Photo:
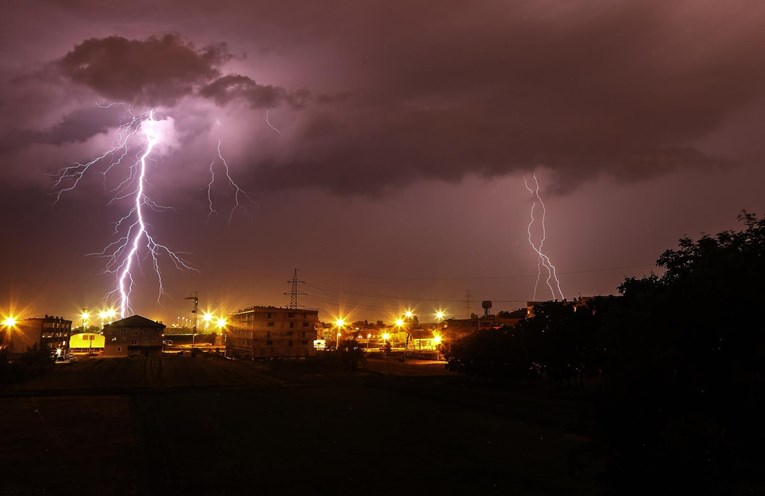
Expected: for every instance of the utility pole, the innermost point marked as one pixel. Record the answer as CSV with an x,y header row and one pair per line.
x,y
294,290
468,301
194,311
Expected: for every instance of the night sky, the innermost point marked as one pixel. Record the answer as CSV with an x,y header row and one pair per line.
x,y
382,146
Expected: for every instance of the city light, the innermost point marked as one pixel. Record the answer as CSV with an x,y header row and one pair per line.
x,y
221,322
85,316
386,336
9,321
409,314
440,314
400,323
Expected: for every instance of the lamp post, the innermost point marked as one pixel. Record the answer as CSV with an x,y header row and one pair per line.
x,y
339,323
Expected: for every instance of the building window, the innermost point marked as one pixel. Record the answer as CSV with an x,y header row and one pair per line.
x,y
305,324
270,324
289,343
269,342
292,324
268,315
133,341
291,315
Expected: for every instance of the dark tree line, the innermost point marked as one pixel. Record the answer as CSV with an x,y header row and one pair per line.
x,y
682,360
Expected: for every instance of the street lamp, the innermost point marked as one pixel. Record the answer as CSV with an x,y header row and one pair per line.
x,y
85,316
339,323
9,323
207,318
440,314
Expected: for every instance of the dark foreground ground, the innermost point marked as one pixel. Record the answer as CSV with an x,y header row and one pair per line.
x,y
198,426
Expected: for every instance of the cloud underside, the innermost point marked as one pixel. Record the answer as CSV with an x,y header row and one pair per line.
x,y
626,89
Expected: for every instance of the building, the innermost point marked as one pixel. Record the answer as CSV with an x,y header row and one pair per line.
x,y
133,336
272,332
86,342
51,333
424,340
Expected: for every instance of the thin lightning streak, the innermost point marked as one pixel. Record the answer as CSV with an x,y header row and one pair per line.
x,y
542,259
271,125
237,190
209,190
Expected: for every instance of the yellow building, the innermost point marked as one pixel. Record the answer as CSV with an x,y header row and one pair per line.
x,y
86,342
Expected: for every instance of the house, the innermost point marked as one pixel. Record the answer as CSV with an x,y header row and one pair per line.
x,y
272,332
423,340
133,336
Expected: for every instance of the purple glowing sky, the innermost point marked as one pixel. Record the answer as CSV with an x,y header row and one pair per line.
x,y
404,132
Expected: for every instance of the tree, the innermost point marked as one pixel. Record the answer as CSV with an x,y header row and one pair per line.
x,y
686,369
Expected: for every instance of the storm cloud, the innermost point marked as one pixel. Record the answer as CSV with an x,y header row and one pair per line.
x,y
155,71
389,95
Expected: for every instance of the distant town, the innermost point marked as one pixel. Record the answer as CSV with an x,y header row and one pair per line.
x,y
256,332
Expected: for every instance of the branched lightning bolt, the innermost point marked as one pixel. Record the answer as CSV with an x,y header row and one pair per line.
x,y
124,254
542,259
239,193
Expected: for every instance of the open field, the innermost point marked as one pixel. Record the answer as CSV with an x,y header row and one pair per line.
x,y
176,425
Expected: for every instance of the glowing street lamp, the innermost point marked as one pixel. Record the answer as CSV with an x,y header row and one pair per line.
x,y
9,322
409,314
207,318
440,314
106,316
85,316
339,323
221,322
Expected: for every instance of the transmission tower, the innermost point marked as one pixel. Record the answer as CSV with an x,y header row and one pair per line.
x,y
294,290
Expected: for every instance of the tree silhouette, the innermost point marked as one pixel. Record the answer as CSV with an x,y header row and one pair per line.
x,y
686,368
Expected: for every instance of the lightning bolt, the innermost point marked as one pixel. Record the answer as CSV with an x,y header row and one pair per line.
x,y
271,125
124,254
239,193
141,133
542,259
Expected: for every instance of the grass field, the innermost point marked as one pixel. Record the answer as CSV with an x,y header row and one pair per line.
x,y
176,425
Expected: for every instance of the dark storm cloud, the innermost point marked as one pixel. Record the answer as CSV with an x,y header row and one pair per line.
x,y
445,90
235,87
155,71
